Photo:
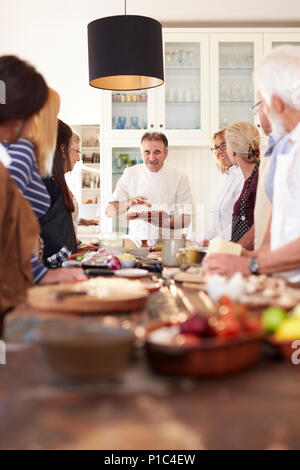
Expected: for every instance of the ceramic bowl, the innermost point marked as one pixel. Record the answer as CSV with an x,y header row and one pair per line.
x,y
84,352
128,263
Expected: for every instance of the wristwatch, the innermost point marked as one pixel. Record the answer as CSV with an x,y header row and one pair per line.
x,y
253,265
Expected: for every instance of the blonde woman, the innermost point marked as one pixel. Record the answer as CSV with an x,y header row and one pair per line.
x,y
231,189
30,158
243,140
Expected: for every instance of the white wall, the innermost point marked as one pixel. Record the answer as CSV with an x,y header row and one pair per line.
x,y
52,34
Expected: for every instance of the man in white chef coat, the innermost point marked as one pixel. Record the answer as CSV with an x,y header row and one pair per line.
x,y
278,79
155,197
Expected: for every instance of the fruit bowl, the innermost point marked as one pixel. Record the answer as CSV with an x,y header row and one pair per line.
x,y
212,357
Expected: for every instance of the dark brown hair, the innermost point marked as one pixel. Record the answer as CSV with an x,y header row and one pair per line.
x,y
64,135
156,136
26,91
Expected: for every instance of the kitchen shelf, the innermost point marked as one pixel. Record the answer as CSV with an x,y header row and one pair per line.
x,y
236,101
233,68
92,149
90,189
183,102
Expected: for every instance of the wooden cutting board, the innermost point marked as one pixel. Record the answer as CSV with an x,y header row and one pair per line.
x,y
47,298
189,277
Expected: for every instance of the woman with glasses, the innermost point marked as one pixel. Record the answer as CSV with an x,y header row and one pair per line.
x,y
231,189
58,233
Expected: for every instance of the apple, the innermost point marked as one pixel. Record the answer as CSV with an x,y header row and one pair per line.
x,y
272,318
198,325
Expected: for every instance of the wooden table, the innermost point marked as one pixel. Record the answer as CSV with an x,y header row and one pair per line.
x,y
257,409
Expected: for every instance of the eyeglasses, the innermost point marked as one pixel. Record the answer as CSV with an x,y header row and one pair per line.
x,y
222,146
255,107
77,151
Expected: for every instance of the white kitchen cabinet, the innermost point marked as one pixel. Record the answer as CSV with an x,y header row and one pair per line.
x,y
233,57
84,180
180,107
208,85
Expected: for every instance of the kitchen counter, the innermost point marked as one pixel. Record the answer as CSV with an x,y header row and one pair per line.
x,y
256,409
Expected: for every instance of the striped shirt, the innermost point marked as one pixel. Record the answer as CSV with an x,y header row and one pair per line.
x,y
23,170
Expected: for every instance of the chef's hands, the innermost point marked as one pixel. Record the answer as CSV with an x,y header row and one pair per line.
x,y
225,265
138,200
65,275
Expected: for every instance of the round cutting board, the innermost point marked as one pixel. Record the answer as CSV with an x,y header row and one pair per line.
x,y
48,298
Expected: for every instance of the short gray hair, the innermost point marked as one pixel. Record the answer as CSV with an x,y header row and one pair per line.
x,y
76,138
279,74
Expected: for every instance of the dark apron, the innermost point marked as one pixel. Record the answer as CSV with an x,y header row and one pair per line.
x,y
239,222
57,224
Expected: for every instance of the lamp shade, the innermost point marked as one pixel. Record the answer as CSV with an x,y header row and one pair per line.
x,y
125,53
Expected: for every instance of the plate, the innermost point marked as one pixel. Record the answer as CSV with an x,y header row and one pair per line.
x,y
131,272
71,263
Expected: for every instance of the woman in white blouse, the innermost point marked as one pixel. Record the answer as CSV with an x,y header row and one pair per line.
x,y
230,192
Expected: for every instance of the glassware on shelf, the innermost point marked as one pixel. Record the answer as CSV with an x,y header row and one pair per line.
x,y
175,57
180,95
168,56
134,122
181,57
188,95
190,58
121,122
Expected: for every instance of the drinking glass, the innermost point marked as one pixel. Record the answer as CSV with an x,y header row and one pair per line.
x,y
134,122
112,242
121,122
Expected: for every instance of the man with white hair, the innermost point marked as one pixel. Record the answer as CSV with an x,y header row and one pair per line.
x,y
278,79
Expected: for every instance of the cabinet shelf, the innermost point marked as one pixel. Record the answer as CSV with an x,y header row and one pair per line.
x,y
250,69
90,189
130,103
183,102
172,69
236,101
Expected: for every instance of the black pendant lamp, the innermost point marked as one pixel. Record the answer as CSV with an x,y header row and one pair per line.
x,y
125,53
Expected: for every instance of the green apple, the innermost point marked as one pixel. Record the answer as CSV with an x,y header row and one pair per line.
x,y
272,318
288,330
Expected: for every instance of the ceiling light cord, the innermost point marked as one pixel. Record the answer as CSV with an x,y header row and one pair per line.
x,y
125,7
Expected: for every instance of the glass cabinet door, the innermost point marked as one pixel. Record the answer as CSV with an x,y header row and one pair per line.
x,y
236,89
129,110
183,84
127,114
183,102
233,60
